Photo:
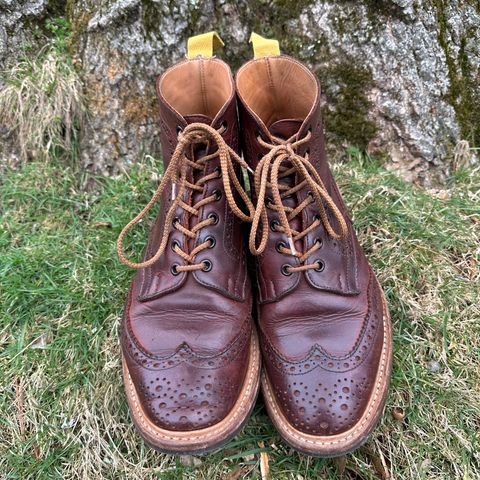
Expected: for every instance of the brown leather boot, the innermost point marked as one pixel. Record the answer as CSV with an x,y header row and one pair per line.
x,y
324,324
191,358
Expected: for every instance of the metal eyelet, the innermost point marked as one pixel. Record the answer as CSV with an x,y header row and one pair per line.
x,y
213,217
318,218
207,265
273,225
174,269
224,124
175,244
217,194
211,240
319,241
280,245
268,201
310,194
175,221
179,130
286,270
321,266
218,171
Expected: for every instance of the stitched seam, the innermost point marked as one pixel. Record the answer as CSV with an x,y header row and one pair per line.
x,y
269,73
202,86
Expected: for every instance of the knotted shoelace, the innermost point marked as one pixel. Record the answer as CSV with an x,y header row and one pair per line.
x,y
177,174
270,170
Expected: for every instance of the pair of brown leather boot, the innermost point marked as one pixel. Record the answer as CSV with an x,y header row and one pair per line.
x,y
191,354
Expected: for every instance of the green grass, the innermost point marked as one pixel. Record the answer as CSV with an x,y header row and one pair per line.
x,y
64,413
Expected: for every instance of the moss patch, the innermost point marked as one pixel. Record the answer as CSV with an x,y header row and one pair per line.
x,y
346,86
463,94
382,8
79,19
151,16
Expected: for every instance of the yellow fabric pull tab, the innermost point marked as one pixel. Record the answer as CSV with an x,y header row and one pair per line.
x,y
203,45
264,46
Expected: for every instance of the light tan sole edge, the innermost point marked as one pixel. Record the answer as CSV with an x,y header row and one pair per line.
x,y
343,443
206,439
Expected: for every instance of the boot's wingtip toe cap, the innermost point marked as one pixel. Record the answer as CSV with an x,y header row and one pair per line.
x,y
185,398
322,404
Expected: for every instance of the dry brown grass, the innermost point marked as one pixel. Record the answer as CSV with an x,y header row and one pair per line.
x,y
41,104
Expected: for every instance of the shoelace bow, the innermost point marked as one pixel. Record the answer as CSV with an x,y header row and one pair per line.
x,y
268,173
176,173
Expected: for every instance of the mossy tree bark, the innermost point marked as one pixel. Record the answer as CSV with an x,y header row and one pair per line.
x,y
398,76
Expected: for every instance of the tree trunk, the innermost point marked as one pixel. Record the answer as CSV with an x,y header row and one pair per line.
x,y
398,76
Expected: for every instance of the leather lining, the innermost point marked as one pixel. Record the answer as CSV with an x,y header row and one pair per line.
x,y
262,85
197,87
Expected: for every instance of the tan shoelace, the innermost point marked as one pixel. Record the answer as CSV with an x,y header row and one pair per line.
x,y
176,173
268,173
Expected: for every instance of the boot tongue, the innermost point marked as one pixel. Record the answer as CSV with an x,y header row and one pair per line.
x,y
198,151
198,118
285,128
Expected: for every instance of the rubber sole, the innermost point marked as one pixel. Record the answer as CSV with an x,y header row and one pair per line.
x,y
330,446
207,439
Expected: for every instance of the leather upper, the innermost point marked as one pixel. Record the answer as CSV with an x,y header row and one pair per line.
x,y
321,330
186,335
